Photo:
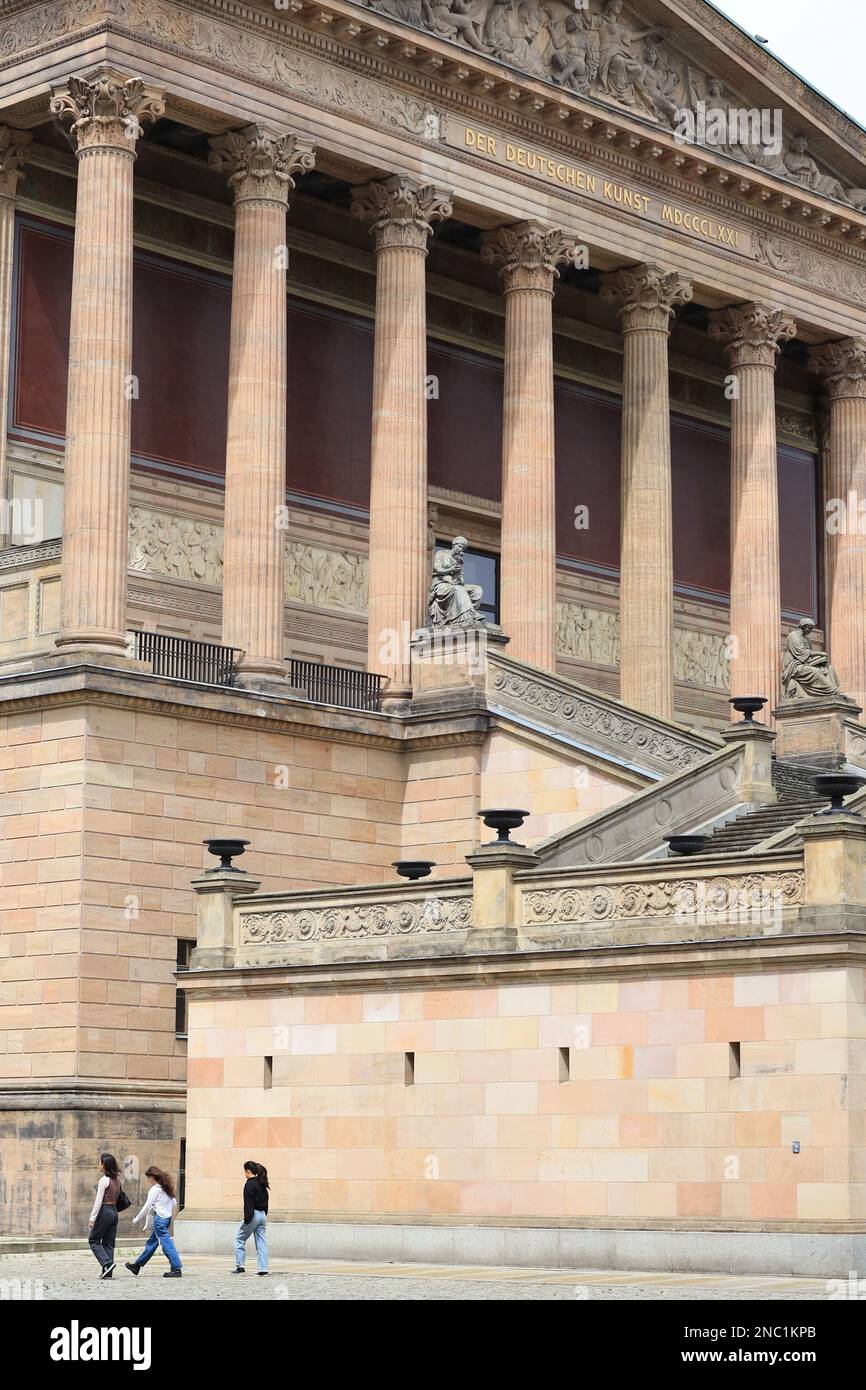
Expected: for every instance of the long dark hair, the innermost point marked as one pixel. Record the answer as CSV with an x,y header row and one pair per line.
x,y
163,1179
109,1165
258,1169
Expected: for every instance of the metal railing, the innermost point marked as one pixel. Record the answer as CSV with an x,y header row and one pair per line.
x,y
182,659
338,685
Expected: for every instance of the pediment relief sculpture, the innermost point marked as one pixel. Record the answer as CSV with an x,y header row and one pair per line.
x,y
598,50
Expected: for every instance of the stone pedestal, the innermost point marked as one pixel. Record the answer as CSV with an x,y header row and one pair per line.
x,y
813,731
449,668
649,296
494,896
752,335
402,212
105,111
834,848
527,255
215,891
756,777
260,164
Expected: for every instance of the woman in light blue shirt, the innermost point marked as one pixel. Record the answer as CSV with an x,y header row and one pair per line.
x,y
157,1214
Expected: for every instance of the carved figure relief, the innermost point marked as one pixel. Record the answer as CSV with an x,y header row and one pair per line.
x,y
592,635
182,548
175,546
597,50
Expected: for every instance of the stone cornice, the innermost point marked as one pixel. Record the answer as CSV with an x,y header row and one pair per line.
x,y
271,45
801,951
42,684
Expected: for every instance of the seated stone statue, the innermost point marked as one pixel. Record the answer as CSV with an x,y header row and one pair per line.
x,y
452,602
806,675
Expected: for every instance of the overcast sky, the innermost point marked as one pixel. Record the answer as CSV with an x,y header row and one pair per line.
x,y
824,42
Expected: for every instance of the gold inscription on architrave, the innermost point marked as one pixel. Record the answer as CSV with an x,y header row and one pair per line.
x,y
510,154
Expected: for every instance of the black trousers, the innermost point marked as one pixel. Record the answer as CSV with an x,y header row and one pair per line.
x,y
103,1234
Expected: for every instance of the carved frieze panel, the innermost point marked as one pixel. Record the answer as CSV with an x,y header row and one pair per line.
x,y
683,898
592,718
591,634
191,549
349,922
178,547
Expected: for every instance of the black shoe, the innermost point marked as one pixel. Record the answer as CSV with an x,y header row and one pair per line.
x,y
173,1274
133,1269
108,1270
263,1273
240,1270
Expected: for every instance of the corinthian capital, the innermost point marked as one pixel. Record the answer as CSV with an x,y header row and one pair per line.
x,y
261,164
401,210
648,296
14,154
752,334
106,110
842,366
527,255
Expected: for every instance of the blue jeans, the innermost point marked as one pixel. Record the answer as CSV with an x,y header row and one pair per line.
x,y
258,1229
160,1236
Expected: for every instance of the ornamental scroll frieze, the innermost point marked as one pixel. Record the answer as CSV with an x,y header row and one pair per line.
x,y
686,899
596,50
352,923
587,717
185,548
591,634
213,40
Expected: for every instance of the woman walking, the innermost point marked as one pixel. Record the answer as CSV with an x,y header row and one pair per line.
x,y
103,1218
157,1213
255,1222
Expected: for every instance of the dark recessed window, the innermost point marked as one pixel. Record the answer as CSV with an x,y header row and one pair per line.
x,y
184,951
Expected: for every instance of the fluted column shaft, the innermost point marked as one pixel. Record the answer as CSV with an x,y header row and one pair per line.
x,y
649,297
14,152
106,112
528,255
843,368
401,212
260,164
752,335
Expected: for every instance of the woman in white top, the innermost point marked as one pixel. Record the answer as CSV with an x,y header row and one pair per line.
x,y
103,1218
157,1213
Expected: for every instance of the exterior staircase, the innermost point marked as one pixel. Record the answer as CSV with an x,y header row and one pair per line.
x,y
797,799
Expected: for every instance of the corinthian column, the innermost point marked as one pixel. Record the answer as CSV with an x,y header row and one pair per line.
x,y
528,255
752,335
261,164
648,298
843,369
106,111
14,153
402,212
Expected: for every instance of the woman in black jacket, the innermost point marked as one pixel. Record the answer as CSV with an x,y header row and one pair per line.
x,y
255,1222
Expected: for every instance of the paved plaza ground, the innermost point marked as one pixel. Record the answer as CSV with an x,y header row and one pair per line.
x,y
74,1275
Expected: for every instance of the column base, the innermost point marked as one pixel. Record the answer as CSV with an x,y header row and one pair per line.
x,y
267,681
93,640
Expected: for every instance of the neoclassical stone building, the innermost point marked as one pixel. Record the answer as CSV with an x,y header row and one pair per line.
x,y
290,296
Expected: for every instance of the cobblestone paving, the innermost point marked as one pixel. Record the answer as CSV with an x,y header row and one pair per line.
x,y
75,1276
